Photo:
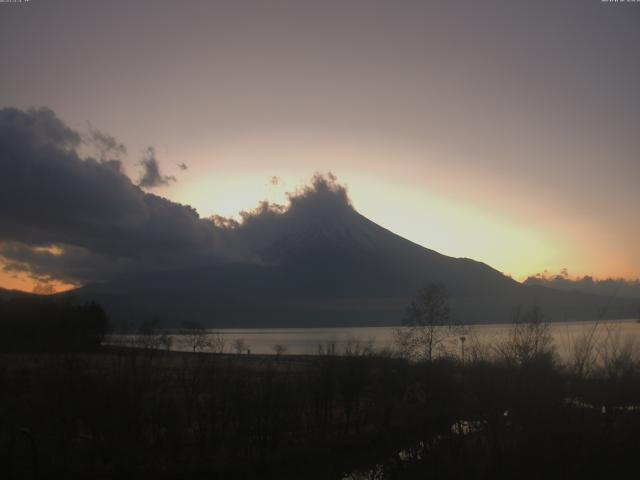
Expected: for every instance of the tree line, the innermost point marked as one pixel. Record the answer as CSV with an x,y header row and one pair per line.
x,y
43,324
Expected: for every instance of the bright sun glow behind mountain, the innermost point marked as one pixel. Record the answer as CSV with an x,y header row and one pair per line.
x,y
432,220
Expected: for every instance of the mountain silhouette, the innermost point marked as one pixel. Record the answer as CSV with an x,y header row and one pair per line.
x,y
321,263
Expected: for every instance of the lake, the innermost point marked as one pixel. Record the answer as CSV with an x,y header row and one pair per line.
x,y
310,341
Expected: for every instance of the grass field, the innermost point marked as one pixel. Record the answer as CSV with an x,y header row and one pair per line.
x,y
132,413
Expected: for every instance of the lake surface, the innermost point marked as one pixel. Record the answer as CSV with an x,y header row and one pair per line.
x,y
311,341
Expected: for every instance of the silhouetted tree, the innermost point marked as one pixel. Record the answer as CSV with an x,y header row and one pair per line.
x,y
279,349
426,323
195,336
217,342
529,339
151,337
239,345
45,324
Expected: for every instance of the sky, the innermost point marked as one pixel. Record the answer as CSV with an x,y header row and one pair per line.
x,y
503,131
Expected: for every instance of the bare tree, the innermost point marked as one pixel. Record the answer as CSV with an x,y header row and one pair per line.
x,y
195,336
426,324
328,348
166,341
239,345
217,342
529,339
583,354
150,336
355,347
472,348
619,356
279,349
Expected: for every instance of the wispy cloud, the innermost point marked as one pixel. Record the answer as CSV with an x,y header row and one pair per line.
x,y
151,175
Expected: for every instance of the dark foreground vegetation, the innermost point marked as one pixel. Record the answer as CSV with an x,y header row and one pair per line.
x,y
40,324
70,408
129,413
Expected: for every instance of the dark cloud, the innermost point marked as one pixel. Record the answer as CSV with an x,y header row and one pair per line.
x,y
70,264
49,195
37,128
151,176
107,146
311,208
109,151
78,219
324,196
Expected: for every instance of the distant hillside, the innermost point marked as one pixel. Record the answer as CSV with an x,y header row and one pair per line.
x,y
606,287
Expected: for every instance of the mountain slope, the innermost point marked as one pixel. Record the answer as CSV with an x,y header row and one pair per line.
x,y
328,267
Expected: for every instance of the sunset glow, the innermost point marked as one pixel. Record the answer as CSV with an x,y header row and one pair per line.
x,y
499,141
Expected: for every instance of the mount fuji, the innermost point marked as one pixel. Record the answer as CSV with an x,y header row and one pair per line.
x,y
319,262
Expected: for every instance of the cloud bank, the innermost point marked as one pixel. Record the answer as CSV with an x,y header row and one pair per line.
x,y
102,222
81,219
